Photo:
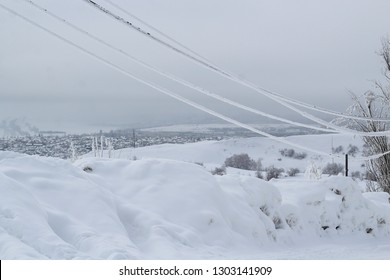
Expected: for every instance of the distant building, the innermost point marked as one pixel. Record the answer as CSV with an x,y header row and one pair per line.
x,y
52,133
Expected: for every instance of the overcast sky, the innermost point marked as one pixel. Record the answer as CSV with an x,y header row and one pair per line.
x,y
310,50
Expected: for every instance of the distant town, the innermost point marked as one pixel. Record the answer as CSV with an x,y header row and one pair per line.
x,y
62,145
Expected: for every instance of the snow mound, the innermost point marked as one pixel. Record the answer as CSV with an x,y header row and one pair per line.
x,y
159,208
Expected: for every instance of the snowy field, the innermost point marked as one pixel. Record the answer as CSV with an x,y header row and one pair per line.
x,y
162,202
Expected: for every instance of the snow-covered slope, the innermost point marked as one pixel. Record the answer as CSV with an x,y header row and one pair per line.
x,y
99,208
214,153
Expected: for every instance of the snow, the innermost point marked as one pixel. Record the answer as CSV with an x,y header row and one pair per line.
x,y
165,206
214,153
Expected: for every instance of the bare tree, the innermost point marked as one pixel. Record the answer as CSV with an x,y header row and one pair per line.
x,y
376,104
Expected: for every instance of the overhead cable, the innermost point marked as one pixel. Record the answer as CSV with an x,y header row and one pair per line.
x,y
158,88
285,101
294,101
335,129
155,29
238,80
171,94
175,78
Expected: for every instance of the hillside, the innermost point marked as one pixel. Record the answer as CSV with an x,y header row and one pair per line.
x,y
214,153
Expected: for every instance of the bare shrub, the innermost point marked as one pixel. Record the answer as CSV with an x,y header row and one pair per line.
x,y
292,172
300,155
356,175
241,161
259,174
87,169
219,171
287,152
273,173
338,149
333,169
352,150
290,153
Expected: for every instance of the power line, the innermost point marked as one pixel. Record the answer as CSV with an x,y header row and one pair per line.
x,y
175,78
155,29
238,80
285,101
299,103
158,88
200,89
169,93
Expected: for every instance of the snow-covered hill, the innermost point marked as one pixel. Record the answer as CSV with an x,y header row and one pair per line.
x,y
214,153
163,205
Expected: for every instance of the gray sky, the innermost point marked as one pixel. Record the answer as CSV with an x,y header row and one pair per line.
x,y
310,50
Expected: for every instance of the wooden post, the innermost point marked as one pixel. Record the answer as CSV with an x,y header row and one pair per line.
x,y
346,165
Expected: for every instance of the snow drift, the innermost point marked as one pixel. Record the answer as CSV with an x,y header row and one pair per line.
x,y
159,208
